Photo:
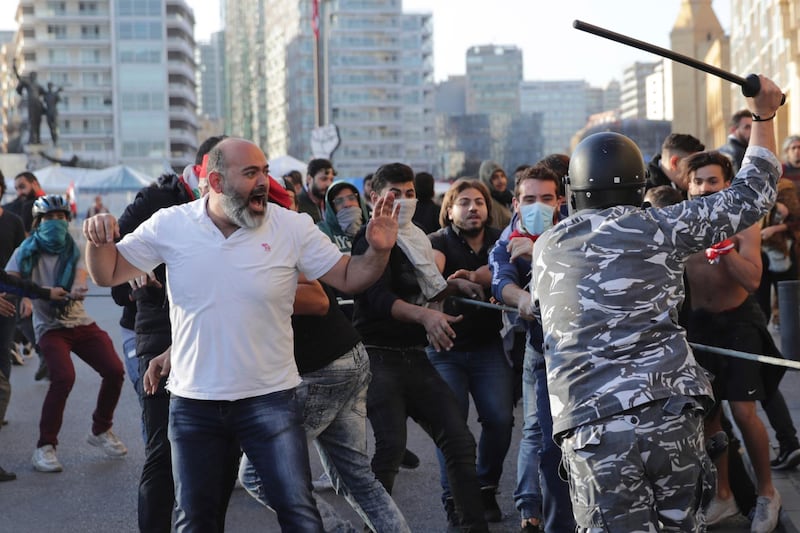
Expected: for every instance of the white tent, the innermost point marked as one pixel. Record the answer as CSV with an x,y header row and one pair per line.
x,y
281,165
90,180
117,185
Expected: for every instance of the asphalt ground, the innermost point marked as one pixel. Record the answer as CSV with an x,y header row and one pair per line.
x,y
98,494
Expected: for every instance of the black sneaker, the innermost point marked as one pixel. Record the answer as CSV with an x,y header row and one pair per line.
x,y
410,460
786,459
491,511
7,476
42,372
453,521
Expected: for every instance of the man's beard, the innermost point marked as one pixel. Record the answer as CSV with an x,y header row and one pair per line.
x,y
237,207
471,232
316,191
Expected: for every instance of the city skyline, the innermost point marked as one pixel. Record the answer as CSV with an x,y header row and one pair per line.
x,y
531,26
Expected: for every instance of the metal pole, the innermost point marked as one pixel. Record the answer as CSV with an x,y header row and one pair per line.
x,y
789,312
776,361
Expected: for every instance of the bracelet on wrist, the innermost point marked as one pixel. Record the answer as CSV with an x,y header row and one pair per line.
x,y
758,118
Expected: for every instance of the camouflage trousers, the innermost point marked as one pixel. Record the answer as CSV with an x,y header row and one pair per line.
x,y
643,470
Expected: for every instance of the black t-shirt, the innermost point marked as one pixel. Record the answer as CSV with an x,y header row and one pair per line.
x,y
23,208
319,340
372,313
12,233
480,325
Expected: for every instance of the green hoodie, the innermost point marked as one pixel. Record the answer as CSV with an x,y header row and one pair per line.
x,y
329,224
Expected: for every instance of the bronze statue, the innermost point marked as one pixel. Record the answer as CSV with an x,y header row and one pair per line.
x,y
51,100
35,103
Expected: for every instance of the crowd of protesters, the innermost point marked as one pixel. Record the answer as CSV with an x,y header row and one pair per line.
x,y
380,304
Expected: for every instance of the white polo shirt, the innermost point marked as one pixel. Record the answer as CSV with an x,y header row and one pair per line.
x,y
231,300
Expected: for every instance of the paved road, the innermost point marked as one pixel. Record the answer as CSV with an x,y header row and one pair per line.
x,y
98,494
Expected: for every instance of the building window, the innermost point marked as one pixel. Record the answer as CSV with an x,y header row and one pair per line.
x,y
90,32
139,8
140,31
56,8
90,57
87,8
140,56
57,31
58,56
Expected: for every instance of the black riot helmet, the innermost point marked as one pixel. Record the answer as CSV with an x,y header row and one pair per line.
x,y
606,169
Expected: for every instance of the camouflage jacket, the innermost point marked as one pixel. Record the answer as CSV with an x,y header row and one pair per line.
x,y
609,283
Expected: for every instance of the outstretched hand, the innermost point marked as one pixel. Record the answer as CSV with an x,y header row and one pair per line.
x,y
101,229
382,227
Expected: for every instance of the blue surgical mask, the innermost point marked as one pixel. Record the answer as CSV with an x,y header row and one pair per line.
x,y
536,218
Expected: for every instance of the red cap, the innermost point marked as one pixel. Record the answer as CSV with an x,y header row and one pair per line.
x,y
277,194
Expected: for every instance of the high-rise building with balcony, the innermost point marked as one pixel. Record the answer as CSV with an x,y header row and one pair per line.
x,y
564,105
127,70
493,76
765,38
634,89
376,75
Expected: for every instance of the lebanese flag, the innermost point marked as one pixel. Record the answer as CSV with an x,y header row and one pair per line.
x,y
315,18
73,205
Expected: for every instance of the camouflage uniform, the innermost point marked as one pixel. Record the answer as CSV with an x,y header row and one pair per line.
x,y
609,283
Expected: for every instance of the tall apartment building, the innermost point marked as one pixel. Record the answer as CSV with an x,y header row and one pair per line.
x,y
8,96
658,92
493,77
210,79
211,86
377,76
564,105
634,89
245,69
128,72
450,96
765,38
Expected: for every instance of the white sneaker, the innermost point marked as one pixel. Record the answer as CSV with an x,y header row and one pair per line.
x,y
45,460
719,510
768,510
109,443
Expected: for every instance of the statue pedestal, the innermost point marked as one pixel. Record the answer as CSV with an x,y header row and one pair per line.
x,y
34,148
34,154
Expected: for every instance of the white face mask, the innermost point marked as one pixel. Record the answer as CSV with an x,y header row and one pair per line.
x,y
405,208
350,219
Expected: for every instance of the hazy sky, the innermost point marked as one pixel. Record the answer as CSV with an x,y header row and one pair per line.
x,y
552,49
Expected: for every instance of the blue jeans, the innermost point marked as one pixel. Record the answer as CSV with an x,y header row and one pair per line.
x,y
539,485
270,431
484,373
404,383
130,360
335,414
131,363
